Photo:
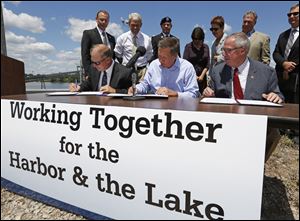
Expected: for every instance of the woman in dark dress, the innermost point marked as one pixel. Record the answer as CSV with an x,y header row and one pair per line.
x,y
197,53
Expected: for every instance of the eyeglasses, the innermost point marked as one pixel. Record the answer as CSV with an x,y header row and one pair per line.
x,y
98,62
214,29
295,14
229,50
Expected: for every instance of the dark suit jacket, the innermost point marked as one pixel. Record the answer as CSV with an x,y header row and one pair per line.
x,y
278,56
261,79
90,38
154,40
120,79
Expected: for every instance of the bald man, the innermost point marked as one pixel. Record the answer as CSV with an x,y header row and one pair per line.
x,y
106,75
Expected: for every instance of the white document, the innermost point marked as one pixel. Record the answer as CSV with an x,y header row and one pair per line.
x,y
214,100
258,103
93,93
62,93
139,95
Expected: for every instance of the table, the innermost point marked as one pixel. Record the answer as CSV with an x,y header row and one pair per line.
x,y
278,117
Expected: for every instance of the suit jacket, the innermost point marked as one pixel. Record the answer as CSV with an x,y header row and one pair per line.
x,y
261,79
120,79
260,47
155,39
90,38
278,56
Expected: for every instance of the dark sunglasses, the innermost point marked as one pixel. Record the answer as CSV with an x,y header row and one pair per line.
x,y
296,14
214,29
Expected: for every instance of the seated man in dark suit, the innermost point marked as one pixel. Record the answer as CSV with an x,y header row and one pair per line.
x,y
106,75
240,77
94,36
166,26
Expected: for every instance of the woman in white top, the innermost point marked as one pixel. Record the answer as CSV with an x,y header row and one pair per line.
x,y
217,29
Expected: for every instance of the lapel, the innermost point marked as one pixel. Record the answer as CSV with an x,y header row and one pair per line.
x,y
114,70
251,80
296,43
97,35
95,78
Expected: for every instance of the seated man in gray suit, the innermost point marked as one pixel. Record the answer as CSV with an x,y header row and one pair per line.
x,y
106,75
257,80
240,77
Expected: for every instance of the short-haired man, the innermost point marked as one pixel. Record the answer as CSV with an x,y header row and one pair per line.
x,y
166,26
128,42
94,36
241,77
169,74
106,75
259,42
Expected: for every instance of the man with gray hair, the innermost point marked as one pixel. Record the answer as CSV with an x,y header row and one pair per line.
x,y
128,42
259,42
169,74
241,77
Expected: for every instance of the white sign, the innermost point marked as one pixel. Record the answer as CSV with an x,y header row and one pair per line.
x,y
134,163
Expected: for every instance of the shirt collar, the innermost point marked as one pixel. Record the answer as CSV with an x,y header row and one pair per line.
x,y
109,70
250,32
243,65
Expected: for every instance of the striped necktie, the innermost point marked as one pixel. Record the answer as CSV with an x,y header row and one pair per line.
x,y
289,44
104,79
104,38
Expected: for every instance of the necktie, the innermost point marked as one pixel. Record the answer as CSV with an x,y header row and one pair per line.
x,y
104,38
289,44
237,89
104,79
134,46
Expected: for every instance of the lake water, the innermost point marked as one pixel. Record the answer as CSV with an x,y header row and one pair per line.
x,y
49,85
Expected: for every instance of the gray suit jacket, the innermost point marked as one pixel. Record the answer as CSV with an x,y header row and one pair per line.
x,y
261,79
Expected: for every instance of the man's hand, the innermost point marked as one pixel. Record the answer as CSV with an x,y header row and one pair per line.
x,y
289,66
166,91
73,87
107,89
272,97
208,92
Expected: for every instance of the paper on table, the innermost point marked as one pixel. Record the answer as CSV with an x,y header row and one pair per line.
x,y
214,100
97,93
139,95
62,93
258,103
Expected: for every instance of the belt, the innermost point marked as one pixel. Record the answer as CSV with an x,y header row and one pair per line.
x,y
140,68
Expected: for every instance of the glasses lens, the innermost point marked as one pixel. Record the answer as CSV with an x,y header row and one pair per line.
x,y
214,29
294,14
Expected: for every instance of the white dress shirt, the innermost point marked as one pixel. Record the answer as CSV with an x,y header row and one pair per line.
x,y
243,74
124,48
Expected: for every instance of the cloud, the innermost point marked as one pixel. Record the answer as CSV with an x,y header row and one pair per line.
x,y
77,26
16,3
23,21
227,28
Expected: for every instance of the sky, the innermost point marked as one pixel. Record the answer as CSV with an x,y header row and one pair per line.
x,y
46,35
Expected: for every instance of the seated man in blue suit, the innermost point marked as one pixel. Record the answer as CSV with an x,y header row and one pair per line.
x,y
240,77
106,75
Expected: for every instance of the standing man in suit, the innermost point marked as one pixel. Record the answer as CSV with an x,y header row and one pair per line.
x,y
166,26
241,77
259,42
106,75
286,56
94,36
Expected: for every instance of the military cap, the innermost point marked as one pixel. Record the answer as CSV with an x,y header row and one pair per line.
x,y
165,19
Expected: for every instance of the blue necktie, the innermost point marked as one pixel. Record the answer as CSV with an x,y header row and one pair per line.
x,y
104,79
